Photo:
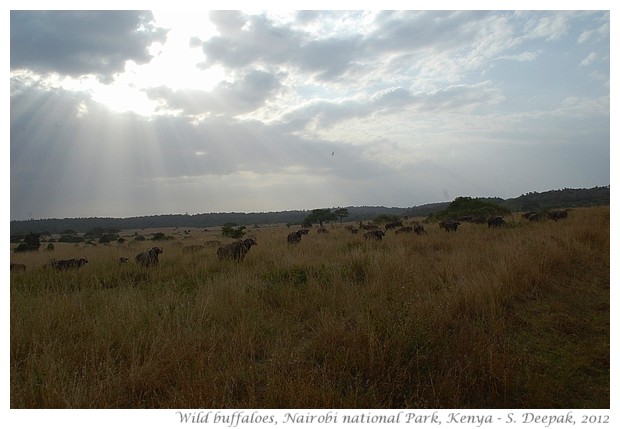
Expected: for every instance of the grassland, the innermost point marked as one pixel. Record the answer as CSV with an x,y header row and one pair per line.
x,y
516,317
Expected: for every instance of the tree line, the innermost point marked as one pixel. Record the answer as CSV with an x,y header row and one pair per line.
x,y
531,201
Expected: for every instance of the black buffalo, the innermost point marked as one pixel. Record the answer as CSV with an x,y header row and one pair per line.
x,y
449,225
150,257
236,250
295,237
376,234
496,221
557,214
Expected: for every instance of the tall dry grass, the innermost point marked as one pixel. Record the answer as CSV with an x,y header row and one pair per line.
x,y
516,317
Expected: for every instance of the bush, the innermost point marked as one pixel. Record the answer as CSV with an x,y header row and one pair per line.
x,y
229,230
31,243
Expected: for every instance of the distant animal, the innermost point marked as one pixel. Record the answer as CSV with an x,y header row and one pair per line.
x,y
123,260
393,225
50,247
532,217
295,237
65,264
18,267
419,229
236,250
351,229
376,234
322,231
192,248
213,243
150,257
557,214
449,225
496,221
404,229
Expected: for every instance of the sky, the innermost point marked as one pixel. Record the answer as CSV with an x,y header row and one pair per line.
x,y
130,113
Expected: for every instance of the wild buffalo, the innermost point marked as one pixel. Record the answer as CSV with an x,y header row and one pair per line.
x,y
404,229
376,234
557,214
18,267
449,225
295,237
496,221
236,250
393,225
150,257
419,229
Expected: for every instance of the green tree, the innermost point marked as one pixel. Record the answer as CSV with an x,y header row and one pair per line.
x,y
232,230
341,213
320,216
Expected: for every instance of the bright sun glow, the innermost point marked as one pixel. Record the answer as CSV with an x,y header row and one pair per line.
x,y
175,65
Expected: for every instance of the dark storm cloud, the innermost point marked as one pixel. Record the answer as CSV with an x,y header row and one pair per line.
x,y
77,43
244,95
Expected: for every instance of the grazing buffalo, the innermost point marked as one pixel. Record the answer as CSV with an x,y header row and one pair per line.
x,y
419,229
557,214
376,234
393,225
295,237
236,250
449,225
18,267
65,264
150,257
533,217
404,229
496,221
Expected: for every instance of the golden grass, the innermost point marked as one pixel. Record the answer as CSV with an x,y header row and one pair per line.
x,y
516,317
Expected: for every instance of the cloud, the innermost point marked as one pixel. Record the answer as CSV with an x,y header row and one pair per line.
x,y
591,58
232,98
323,114
549,27
411,103
76,43
522,57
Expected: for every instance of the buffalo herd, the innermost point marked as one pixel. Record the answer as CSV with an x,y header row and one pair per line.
x,y
237,250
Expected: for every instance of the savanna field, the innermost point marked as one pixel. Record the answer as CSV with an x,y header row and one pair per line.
x,y
510,317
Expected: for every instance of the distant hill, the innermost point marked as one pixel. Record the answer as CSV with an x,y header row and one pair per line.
x,y
527,202
564,198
